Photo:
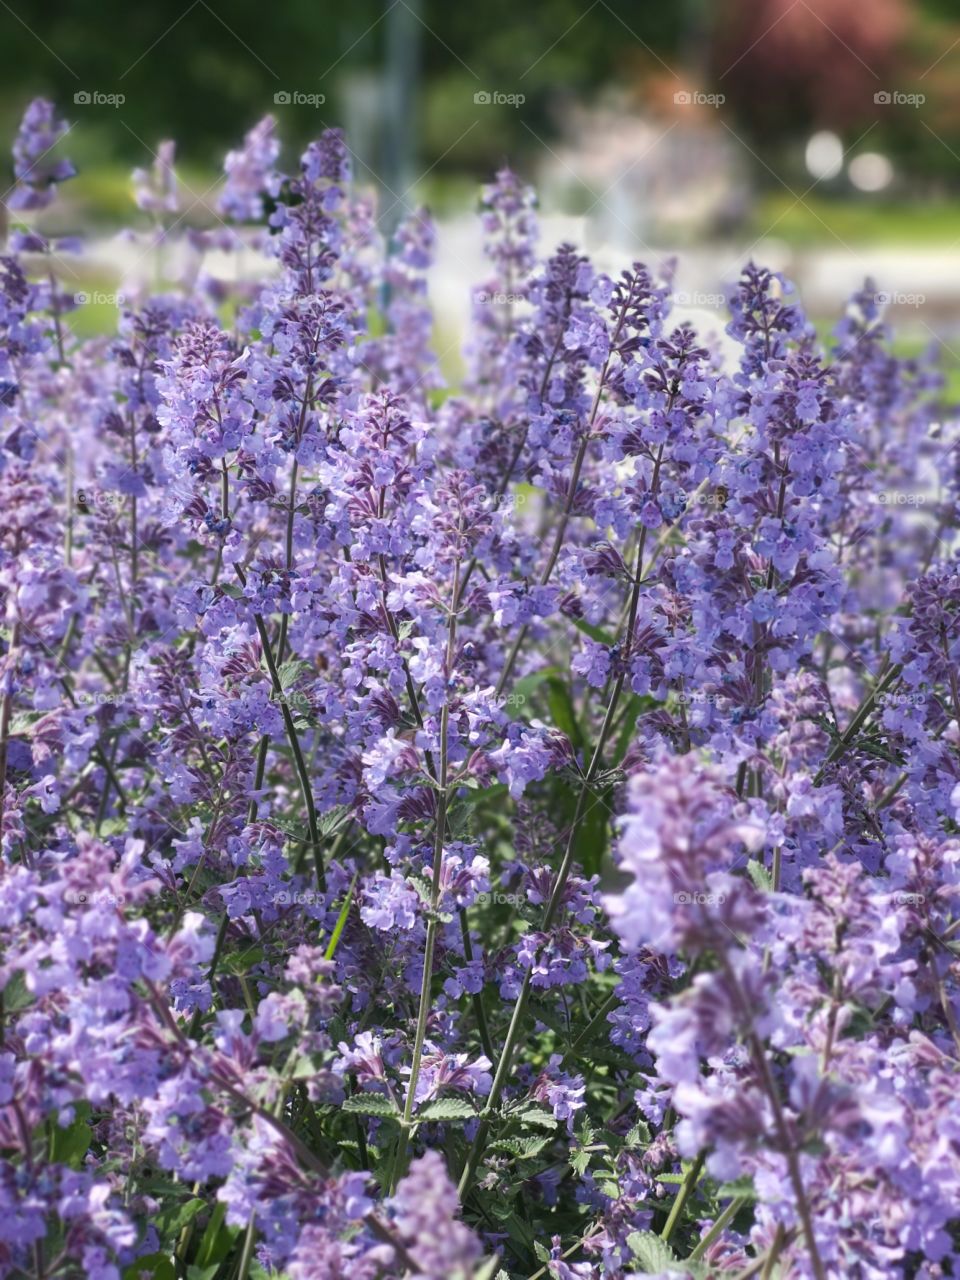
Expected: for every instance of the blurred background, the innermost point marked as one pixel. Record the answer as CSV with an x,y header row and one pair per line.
x,y
819,136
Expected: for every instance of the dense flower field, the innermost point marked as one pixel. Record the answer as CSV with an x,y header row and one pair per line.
x,y
501,831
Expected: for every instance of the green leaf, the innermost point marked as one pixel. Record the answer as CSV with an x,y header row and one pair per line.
x,y
447,1109
528,685
70,1145
636,705
15,994
303,1068
242,961
202,1273
653,1254
760,876
524,1148
370,1104
595,633
542,1252
538,1117
593,832
638,1136
562,710
290,672
170,1222
486,1270
740,1189
157,1265
477,794
333,819
217,1239
114,826
341,919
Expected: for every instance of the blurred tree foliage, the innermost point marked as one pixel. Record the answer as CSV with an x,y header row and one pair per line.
x,y
202,72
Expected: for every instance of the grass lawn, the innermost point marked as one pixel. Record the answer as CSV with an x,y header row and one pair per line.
x,y
858,222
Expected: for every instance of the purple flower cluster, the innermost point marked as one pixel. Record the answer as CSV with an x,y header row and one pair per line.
x,y
500,830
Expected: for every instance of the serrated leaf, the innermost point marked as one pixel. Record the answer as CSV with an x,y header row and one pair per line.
x,y
638,1136
521,1147
760,876
447,1109
653,1254
370,1104
333,819
541,1250
290,672
537,1116
740,1188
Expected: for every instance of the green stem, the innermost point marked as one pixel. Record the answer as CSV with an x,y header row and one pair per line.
x,y
729,1213
683,1195
861,714
291,731
247,1256
433,922
553,906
